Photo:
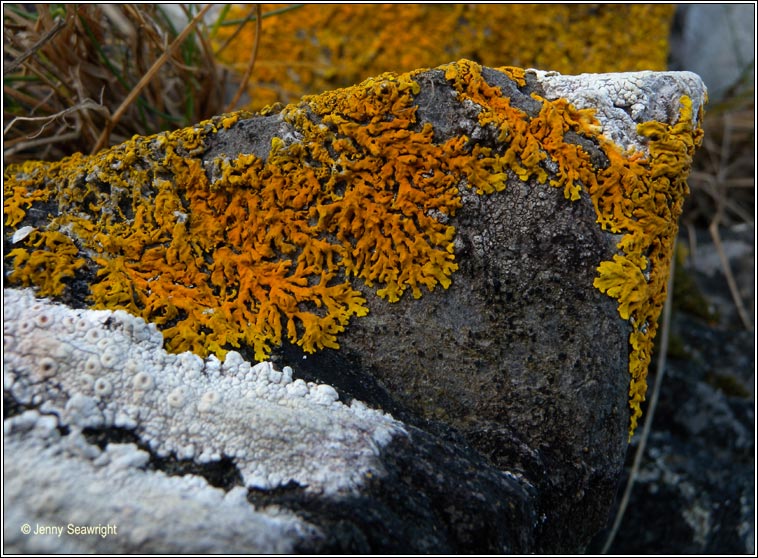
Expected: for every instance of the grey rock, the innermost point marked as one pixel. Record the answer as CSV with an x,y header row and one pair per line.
x,y
100,369
624,100
508,391
236,472
77,498
695,493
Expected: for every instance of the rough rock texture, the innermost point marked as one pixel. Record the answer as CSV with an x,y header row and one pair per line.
x,y
119,505
100,369
458,247
178,442
622,101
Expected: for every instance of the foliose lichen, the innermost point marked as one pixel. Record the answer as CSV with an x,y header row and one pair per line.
x,y
239,249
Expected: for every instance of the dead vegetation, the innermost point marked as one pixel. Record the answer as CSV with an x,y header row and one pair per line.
x,y
722,182
80,77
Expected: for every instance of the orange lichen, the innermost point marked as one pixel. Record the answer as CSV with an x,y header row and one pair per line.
x,y
17,194
319,47
643,198
240,250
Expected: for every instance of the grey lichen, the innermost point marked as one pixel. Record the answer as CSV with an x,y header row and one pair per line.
x,y
623,100
101,369
65,495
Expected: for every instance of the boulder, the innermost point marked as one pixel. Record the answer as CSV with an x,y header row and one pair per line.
x,y
413,314
717,41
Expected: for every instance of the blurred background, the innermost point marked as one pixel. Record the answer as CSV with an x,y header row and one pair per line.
x,y
83,77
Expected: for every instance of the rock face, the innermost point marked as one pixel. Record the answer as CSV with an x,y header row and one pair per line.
x,y
723,35
223,450
480,253
86,499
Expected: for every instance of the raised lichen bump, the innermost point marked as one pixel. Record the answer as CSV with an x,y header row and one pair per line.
x,y
223,250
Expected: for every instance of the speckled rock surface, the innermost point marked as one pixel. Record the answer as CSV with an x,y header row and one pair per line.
x,y
540,354
100,369
508,389
180,454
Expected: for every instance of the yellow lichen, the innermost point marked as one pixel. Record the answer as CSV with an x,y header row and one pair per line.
x,y
319,47
18,193
642,198
242,250
50,259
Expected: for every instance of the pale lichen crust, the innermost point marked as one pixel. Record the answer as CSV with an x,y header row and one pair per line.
x,y
89,500
100,369
242,249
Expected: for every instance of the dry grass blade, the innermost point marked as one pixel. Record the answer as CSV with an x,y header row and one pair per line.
x,y
723,182
650,412
249,70
730,280
49,34
147,78
64,54
86,104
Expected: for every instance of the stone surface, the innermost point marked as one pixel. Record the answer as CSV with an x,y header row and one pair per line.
x,y
82,499
325,47
241,489
624,100
508,383
100,369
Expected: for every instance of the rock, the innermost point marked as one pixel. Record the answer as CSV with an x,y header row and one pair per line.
x,y
78,498
100,369
481,253
329,46
266,443
718,42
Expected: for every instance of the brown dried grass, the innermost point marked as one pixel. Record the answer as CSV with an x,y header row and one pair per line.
x,y
722,182
82,77
722,179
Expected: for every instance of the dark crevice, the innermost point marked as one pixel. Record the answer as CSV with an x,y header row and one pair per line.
x,y
12,408
222,474
421,503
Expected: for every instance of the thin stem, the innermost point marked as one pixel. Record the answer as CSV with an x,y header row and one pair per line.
x,y
249,70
